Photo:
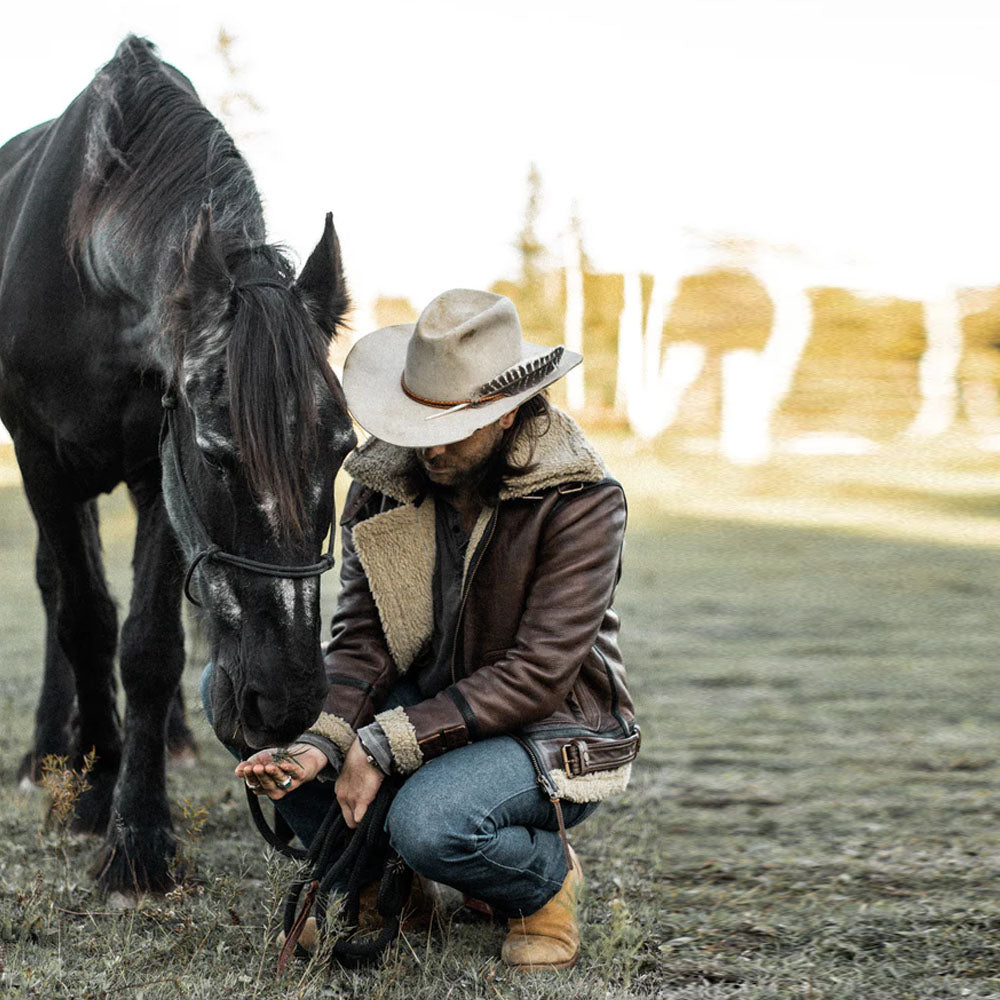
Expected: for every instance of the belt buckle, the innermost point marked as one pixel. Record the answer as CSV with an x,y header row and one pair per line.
x,y
572,767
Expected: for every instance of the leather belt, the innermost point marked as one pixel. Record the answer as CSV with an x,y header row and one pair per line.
x,y
585,756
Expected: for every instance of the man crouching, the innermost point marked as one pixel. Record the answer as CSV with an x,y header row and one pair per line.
x,y
474,648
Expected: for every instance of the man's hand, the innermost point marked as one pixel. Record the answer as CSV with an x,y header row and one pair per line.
x,y
279,770
357,785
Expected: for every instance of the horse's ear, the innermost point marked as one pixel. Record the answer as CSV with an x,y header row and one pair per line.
x,y
322,281
205,273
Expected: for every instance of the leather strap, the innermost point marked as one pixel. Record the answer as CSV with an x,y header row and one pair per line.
x,y
292,939
446,404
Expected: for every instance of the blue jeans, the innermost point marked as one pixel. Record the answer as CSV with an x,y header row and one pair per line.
x,y
473,818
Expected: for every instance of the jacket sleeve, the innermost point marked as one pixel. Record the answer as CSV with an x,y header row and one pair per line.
x,y
577,570
359,668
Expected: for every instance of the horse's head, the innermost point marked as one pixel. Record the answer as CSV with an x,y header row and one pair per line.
x,y
256,432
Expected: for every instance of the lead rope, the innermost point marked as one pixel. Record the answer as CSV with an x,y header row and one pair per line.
x,y
340,860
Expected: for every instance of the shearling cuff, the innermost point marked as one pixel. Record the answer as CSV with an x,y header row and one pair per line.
x,y
591,787
402,739
335,729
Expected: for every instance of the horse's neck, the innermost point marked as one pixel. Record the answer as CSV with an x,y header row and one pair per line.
x,y
114,268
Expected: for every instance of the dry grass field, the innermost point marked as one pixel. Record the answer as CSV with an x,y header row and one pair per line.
x,y
812,647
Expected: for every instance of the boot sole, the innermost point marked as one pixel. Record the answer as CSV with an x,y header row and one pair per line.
x,y
530,967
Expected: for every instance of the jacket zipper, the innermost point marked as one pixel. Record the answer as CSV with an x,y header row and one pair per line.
x,y
477,559
549,788
614,693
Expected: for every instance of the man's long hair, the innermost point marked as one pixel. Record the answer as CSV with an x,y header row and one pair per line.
x,y
531,421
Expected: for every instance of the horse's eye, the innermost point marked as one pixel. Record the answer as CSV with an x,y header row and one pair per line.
x,y
215,462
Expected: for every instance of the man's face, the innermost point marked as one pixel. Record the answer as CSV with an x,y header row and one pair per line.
x,y
460,464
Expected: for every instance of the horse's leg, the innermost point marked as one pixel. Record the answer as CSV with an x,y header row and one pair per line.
x,y
182,750
140,839
86,628
55,704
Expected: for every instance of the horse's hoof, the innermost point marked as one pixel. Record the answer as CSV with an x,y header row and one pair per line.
x,y
122,900
28,771
26,785
136,860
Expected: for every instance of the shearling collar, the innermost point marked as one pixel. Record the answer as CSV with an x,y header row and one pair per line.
x,y
562,455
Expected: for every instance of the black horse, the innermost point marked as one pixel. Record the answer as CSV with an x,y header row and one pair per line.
x,y
134,274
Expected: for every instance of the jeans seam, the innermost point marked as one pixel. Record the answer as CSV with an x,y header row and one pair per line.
x,y
480,855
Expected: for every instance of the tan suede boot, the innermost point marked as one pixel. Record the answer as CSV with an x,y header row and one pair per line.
x,y
309,937
549,938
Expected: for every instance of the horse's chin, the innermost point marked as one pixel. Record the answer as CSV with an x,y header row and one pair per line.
x,y
225,718
259,740
241,734
234,734
229,731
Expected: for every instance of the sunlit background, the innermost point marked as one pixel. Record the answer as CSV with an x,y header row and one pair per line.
x,y
773,228
770,224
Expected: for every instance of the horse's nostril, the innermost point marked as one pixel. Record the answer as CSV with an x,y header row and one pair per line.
x,y
261,712
252,711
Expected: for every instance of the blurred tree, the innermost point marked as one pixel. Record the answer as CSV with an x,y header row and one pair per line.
x,y
572,293
979,369
537,290
723,310
529,247
859,371
603,300
393,311
237,106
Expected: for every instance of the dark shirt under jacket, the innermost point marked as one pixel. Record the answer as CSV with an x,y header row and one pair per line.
x,y
431,670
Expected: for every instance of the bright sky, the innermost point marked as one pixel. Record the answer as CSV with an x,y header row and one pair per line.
x,y
858,127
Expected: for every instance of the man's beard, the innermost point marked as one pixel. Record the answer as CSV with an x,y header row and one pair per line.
x,y
464,482
469,481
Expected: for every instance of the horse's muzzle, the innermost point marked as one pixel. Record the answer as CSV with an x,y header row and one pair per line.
x,y
247,717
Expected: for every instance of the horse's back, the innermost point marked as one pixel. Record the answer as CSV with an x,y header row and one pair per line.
x,y
19,161
39,170
59,346
38,173
16,152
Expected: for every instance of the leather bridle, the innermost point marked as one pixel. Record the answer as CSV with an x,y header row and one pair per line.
x,y
207,550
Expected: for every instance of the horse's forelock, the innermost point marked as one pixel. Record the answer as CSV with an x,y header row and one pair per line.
x,y
274,355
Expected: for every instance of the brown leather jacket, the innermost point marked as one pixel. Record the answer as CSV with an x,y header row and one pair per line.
x,y
537,653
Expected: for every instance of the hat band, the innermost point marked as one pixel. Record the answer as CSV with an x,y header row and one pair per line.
x,y
446,404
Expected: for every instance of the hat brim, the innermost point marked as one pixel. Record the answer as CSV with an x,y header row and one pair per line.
x,y
372,373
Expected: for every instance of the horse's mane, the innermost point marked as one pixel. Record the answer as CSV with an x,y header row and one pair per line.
x,y
154,155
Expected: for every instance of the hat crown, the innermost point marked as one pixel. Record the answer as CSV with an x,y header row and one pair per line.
x,y
461,341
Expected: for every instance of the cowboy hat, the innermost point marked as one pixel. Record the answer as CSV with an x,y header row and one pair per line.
x,y
461,366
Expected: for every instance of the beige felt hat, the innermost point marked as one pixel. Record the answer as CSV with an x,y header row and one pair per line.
x,y
461,366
